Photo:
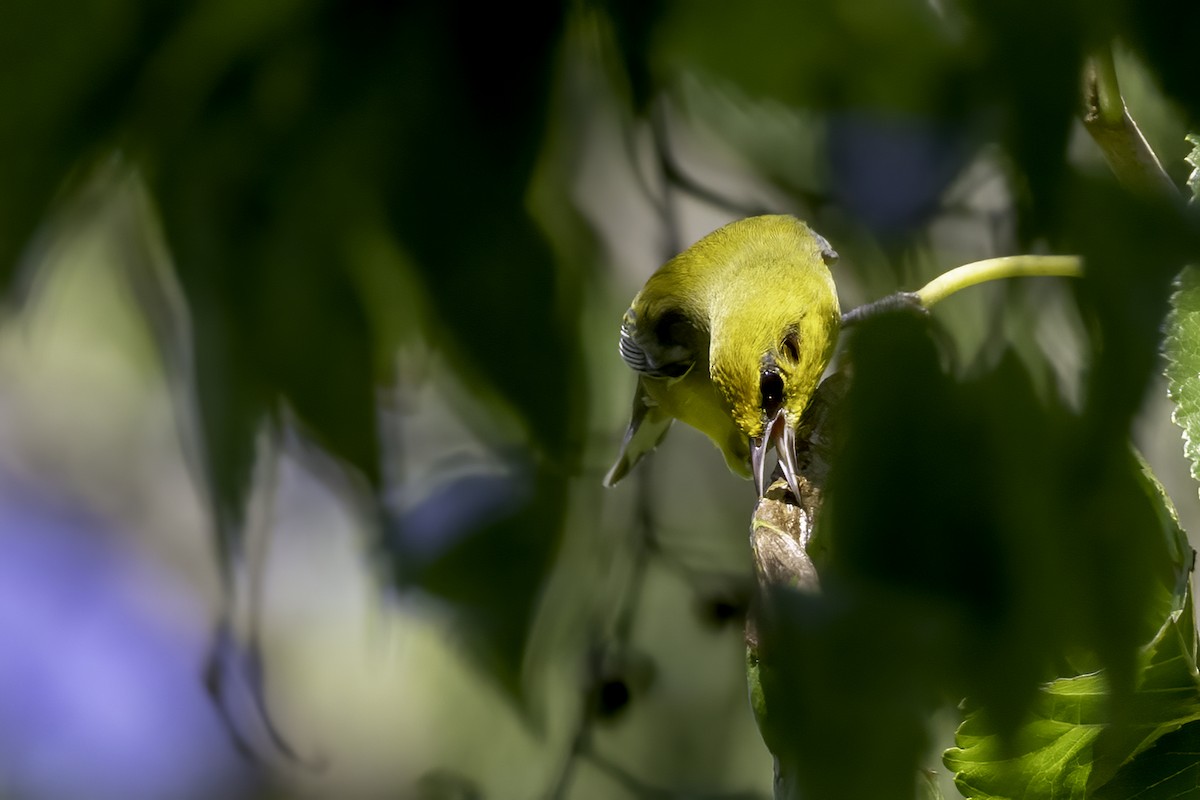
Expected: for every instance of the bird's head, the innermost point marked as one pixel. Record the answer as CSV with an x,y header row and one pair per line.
x,y
769,353
767,382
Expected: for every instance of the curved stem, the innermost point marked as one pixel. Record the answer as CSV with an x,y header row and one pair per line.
x,y
992,269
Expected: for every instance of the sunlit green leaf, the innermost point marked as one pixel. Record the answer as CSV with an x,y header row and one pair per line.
x,y
1183,362
1076,741
1193,158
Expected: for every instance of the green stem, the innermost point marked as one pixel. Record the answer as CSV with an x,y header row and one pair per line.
x,y
992,269
1107,90
1114,131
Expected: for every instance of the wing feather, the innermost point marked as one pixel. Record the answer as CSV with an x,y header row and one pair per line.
x,y
644,355
647,427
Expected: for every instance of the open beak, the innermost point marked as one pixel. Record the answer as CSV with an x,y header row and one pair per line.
x,y
782,437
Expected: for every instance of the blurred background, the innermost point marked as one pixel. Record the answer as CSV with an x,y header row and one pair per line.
x,y
309,351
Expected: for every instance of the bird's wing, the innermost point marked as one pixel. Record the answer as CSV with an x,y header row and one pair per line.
x,y
650,355
647,427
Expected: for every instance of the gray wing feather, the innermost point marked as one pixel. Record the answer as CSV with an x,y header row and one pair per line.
x,y
640,355
647,427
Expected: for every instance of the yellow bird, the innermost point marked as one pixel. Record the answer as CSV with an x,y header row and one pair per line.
x,y
731,336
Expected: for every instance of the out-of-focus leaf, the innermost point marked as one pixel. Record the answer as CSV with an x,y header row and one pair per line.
x,y
1132,249
1183,362
634,23
1040,96
966,570
1074,746
837,685
484,544
898,129
941,72
966,519
459,207
1165,35
64,71
820,660
503,311
257,202
811,53
444,784
277,138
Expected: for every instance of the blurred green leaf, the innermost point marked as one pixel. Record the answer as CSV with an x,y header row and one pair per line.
x,y
1165,35
495,538
811,53
64,70
459,208
978,564
634,23
1132,249
983,536
280,139
257,205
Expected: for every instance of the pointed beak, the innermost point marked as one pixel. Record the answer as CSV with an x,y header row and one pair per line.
x,y
782,437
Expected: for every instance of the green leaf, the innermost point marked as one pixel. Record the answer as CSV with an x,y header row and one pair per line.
x,y
64,67
976,568
1164,33
1193,158
1170,769
1182,349
1076,742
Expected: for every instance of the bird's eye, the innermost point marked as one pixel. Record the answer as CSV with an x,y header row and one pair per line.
x,y
790,346
770,389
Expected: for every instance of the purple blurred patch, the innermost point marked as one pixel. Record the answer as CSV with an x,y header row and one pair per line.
x,y
100,654
891,172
